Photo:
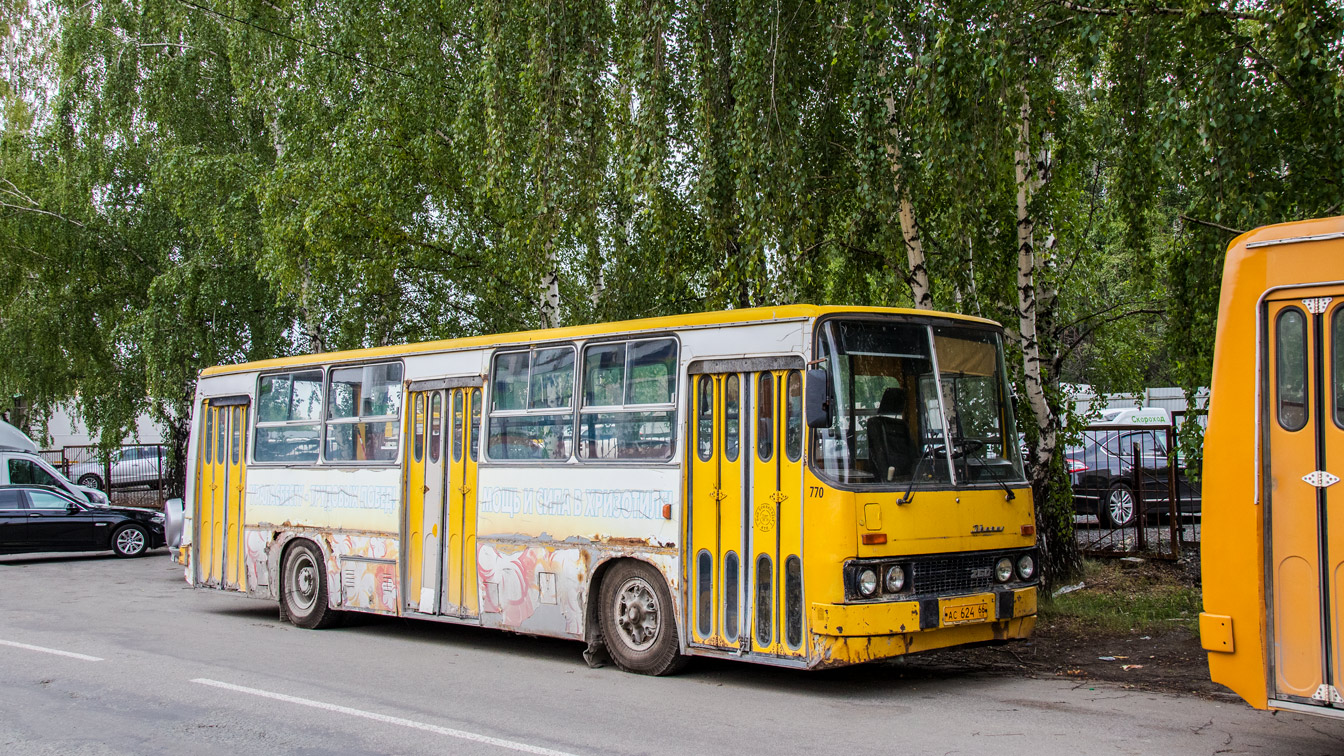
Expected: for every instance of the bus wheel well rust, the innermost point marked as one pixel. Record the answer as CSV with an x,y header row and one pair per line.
x,y
596,653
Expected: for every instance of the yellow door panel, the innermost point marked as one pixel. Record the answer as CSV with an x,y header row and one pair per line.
x,y
453,583
413,468
776,476
236,461
470,596
205,496
702,519
730,596
789,550
432,526
460,594
716,534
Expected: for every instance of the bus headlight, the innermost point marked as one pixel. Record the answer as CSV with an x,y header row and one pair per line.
x,y
895,579
1003,570
1026,567
867,582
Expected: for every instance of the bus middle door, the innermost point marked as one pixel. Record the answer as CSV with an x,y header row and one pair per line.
x,y
460,597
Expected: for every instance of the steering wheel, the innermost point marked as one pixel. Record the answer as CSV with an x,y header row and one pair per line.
x,y
960,448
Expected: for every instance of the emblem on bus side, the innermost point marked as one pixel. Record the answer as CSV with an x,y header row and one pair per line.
x,y
986,530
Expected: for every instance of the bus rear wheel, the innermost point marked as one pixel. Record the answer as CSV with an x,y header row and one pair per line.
x,y
303,588
637,620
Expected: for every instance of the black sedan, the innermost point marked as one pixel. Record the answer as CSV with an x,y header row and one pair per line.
x,y
41,518
1102,473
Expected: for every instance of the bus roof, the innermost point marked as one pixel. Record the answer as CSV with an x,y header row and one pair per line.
x,y
693,320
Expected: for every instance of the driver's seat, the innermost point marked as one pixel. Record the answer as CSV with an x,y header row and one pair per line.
x,y
889,447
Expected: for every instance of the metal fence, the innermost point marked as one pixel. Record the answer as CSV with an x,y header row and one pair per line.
x,y
131,475
1133,492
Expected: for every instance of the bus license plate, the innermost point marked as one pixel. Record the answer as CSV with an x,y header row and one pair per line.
x,y
965,612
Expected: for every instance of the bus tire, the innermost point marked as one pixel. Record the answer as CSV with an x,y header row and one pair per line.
x,y
638,620
303,588
1117,509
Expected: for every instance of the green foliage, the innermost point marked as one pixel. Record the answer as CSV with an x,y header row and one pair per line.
x,y
186,184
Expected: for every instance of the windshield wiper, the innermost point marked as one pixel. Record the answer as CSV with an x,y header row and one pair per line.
x,y
914,476
992,472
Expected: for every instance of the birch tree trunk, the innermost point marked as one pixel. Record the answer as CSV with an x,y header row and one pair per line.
x,y
1035,303
550,289
1028,338
914,247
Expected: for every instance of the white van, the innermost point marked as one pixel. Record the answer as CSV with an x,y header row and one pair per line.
x,y
20,465
1135,416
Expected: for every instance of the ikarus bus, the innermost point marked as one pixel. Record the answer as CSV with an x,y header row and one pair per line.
x,y
799,486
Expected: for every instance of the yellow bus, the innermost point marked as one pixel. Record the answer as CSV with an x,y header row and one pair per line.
x,y
1273,529
650,487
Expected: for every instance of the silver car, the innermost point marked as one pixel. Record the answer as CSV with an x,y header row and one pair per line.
x,y
129,466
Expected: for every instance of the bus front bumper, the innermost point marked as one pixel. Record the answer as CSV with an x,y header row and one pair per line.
x,y
853,633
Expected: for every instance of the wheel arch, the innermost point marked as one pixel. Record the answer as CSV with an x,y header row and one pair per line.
x,y
592,603
281,545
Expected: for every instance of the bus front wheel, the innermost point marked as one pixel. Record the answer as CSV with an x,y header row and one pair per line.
x,y
304,588
637,620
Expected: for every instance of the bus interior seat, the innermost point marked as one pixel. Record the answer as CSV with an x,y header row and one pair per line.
x,y
889,446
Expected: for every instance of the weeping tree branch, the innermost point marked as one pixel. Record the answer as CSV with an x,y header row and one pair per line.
x,y
1159,11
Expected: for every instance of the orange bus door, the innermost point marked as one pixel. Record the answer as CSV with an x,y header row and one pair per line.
x,y
1304,438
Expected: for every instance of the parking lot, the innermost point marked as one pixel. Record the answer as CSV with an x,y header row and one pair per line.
x,y
106,656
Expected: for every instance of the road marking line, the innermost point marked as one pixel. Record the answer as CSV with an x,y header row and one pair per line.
x,y
512,745
57,652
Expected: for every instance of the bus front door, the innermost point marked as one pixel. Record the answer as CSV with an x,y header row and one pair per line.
x,y
715,519
745,515
1304,434
222,465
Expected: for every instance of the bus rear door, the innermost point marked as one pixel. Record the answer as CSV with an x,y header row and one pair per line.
x,y
221,467
1304,435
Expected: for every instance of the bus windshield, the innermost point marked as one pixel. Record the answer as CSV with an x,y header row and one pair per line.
x,y
916,404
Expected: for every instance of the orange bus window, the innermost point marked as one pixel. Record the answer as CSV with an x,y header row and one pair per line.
x,y
1291,377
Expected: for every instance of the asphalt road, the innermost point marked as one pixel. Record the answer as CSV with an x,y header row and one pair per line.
x,y
106,656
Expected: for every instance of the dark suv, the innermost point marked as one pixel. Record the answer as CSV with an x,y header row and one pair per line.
x,y
1101,470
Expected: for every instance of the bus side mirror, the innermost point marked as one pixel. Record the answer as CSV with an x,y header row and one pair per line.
x,y
816,401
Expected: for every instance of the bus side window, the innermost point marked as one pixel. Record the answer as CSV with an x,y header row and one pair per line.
x,y
475,422
1291,378
765,417
435,427
705,415
731,417
793,413
208,456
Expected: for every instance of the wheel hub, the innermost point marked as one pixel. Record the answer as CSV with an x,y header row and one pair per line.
x,y
637,614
